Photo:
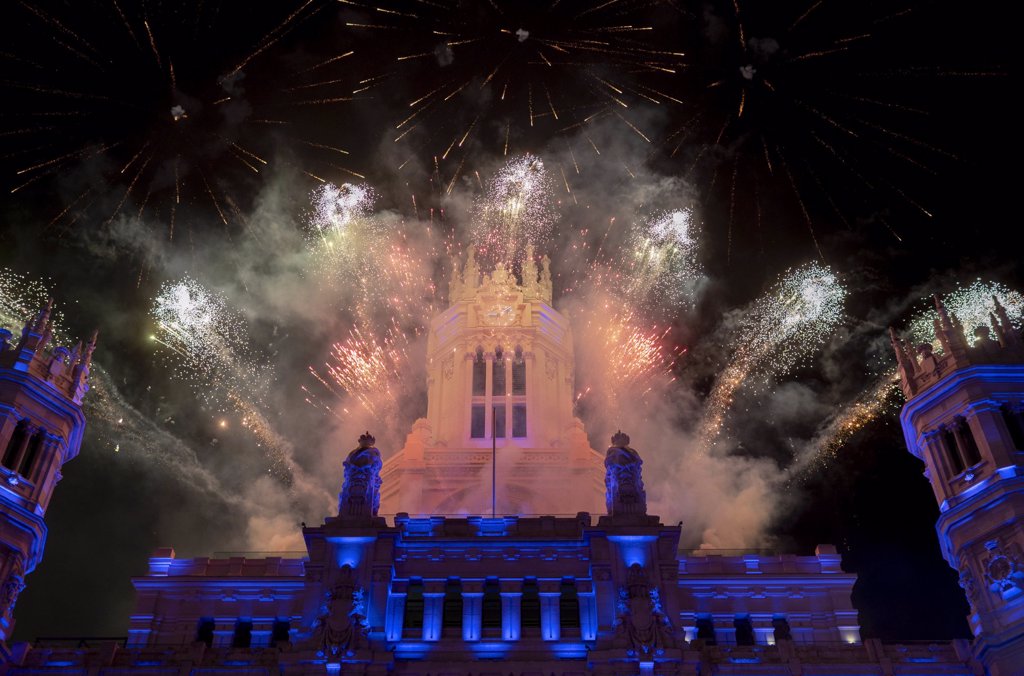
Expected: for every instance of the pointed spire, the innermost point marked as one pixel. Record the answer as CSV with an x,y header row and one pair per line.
x,y
902,358
1008,333
950,329
941,335
42,319
997,329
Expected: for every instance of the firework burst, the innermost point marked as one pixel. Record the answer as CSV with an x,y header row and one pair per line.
x,y
780,330
207,342
517,211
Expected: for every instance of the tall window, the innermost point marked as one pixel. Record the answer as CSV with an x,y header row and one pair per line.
x,y
529,605
477,421
706,630
518,420
1014,424
782,631
744,630
451,611
280,632
15,443
498,373
35,445
956,463
490,610
569,605
518,373
243,634
479,373
972,456
414,606
204,630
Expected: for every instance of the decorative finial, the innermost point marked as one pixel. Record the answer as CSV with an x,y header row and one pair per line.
x,y
366,440
620,440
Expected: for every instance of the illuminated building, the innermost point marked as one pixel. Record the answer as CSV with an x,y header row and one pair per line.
x,y
605,591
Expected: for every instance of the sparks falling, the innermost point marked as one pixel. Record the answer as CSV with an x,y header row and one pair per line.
x,y
781,329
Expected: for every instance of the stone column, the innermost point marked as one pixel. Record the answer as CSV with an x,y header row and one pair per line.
x,y
395,615
511,595
472,609
588,609
550,620
433,609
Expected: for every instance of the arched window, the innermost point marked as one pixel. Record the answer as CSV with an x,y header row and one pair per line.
x,y
479,373
518,373
14,445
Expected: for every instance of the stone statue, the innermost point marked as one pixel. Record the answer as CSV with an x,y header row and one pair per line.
x,y
341,626
642,622
624,486
360,491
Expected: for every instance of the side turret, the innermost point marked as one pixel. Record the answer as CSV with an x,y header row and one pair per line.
x,y
964,418
41,427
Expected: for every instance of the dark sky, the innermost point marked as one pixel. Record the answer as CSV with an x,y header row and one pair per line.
x,y
872,137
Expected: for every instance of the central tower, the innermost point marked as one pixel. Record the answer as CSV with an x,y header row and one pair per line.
x,y
499,406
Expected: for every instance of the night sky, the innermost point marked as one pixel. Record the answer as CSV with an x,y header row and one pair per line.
x,y
871,137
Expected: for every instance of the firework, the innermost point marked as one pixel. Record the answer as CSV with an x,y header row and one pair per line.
x,y
972,305
517,211
20,298
664,265
780,330
875,400
368,370
182,116
334,208
207,341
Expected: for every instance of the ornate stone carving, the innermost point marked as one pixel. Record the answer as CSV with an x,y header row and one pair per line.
x,y
13,584
550,366
360,491
341,626
967,583
623,482
1004,572
642,622
448,367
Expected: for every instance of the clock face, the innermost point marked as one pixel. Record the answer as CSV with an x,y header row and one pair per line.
x,y
499,314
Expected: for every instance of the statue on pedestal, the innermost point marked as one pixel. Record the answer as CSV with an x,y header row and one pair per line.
x,y
360,491
624,486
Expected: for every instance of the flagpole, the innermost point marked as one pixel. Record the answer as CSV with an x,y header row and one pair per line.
x,y
494,461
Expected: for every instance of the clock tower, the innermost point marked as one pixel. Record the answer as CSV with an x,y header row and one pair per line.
x,y
499,406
